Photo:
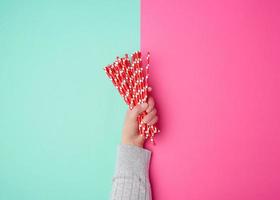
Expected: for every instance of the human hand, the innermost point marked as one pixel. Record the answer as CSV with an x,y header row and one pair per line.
x,y
130,133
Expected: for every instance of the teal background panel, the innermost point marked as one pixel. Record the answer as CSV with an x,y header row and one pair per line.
x,y
60,116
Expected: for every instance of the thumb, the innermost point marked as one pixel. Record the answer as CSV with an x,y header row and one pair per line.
x,y
138,109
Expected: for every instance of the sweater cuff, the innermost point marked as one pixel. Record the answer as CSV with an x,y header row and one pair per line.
x,y
132,160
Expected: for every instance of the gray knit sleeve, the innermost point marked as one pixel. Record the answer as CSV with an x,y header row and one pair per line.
x,y
131,179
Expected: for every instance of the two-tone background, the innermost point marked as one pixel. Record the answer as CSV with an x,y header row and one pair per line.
x,y
216,79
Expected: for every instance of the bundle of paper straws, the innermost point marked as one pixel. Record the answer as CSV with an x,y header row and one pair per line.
x,y
129,78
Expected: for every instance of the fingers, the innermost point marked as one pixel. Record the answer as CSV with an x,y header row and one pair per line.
x,y
138,109
150,117
150,89
153,121
151,104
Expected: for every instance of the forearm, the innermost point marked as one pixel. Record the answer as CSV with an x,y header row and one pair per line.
x,y
131,179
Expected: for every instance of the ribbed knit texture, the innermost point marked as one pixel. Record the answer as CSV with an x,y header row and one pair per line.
x,y
131,179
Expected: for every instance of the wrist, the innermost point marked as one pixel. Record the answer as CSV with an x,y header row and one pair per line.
x,y
133,142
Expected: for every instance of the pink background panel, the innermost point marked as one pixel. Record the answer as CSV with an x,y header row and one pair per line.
x,y
215,71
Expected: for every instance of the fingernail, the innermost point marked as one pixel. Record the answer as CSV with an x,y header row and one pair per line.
x,y
144,105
